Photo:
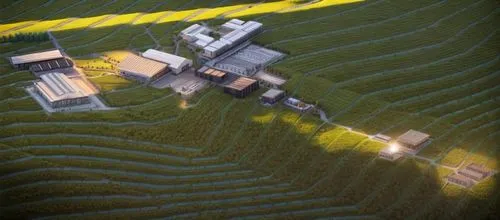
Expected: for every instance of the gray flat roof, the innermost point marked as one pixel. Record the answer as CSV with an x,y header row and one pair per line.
x,y
273,93
36,57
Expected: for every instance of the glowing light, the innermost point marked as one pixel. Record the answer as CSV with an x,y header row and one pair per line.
x,y
394,148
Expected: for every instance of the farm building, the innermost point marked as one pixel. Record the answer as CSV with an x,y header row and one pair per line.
x,y
241,87
235,32
479,168
193,32
459,180
382,138
475,172
390,153
211,74
272,96
297,105
60,91
175,63
413,141
41,61
142,69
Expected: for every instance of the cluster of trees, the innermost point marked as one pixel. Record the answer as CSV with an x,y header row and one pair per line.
x,y
26,37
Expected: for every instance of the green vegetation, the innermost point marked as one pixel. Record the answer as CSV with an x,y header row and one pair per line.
x,y
374,66
26,37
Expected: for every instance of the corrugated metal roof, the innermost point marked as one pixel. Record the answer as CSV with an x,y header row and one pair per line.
x,y
36,57
57,86
141,66
170,59
241,83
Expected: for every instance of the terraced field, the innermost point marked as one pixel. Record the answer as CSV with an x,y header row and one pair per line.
x,y
375,66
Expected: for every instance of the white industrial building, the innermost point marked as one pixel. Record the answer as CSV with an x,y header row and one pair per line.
x,y
238,31
192,33
60,91
175,63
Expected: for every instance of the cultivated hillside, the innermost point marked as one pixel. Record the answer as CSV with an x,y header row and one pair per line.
x,y
374,66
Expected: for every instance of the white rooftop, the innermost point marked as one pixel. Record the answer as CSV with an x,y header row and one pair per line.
x,y
269,78
170,59
204,37
272,93
236,21
57,86
36,57
194,29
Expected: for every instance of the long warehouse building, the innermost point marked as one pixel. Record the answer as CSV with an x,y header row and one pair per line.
x,y
142,69
175,63
60,91
41,61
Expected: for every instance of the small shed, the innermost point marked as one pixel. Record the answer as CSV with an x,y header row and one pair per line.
x,y
390,153
272,96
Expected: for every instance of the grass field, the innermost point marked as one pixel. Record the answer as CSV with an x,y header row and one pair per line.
x,y
376,66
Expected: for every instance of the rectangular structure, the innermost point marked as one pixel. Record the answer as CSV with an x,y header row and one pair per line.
x,y
484,171
412,141
241,87
272,96
268,80
176,63
475,172
297,105
24,62
383,138
142,69
235,32
390,153
211,74
59,91
459,180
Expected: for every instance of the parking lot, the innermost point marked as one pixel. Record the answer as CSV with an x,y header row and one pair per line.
x,y
185,83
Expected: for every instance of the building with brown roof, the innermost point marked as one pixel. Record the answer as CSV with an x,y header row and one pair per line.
x,y
142,69
241,87
413,141
211,74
